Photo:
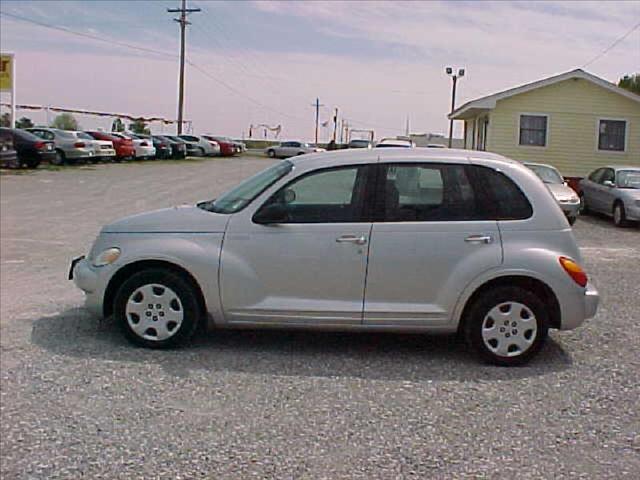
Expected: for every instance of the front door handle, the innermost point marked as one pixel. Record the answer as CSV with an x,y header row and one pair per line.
x,y
361,240
479,239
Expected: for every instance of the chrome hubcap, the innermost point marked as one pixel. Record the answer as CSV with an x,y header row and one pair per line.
x,y
154,312
509,329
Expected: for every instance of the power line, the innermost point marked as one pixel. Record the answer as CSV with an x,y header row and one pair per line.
x,y
157,52
88,35
612,46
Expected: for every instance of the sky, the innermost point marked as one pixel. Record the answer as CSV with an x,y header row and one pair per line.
x,y
253,62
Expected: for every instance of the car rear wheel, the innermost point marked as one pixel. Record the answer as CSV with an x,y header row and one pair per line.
x,y
271,153
506,326
619,215
59,158
157,308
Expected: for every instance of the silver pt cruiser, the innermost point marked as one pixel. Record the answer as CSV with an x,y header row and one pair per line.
x,y
406,240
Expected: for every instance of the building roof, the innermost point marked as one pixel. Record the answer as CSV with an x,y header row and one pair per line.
x,y
489,102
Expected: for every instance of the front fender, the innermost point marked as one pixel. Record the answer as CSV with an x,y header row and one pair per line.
x,y
198,254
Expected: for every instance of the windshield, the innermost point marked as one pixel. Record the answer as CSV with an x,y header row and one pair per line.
x,y
239,197
547,174
629,179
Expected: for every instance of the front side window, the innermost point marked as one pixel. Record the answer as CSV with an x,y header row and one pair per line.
x,y
611,135
426,192
533,130
595,175
236,199
326,196
608,176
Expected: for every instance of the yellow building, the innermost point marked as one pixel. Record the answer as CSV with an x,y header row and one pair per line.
x,y
574,121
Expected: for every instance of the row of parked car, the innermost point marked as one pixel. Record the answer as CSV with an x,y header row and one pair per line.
x,y
32,146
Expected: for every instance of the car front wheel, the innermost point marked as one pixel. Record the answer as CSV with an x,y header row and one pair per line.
x,y
271,153
507,326
157,308
619,215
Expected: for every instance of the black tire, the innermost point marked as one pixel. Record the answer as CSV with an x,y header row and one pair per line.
x,y
188,305
572,220
59,159
584,210
271,153
619,215
477,312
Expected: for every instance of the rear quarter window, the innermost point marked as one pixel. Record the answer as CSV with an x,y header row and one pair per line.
x,y
499,197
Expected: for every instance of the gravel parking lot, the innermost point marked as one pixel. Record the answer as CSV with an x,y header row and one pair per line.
x,y
77,401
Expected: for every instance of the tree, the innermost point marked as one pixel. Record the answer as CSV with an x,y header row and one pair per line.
x,y
5,120
138,126
117,125
24,122
65,121
631,83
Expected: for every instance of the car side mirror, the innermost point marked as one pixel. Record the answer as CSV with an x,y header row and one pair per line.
x,y
270,214
608,183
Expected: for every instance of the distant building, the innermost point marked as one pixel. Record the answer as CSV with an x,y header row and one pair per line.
x,y
574,121
426,139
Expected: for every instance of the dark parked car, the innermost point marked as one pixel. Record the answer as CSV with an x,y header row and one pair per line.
x,y
31,150
178,148
193,150
163,149
8,155
123,146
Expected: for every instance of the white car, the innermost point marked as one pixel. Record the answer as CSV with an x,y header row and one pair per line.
x,y
291,149
395,143
102,149
566,196
144,148
402,240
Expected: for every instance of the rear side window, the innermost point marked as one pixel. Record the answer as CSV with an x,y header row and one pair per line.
x,y
425,193
498,197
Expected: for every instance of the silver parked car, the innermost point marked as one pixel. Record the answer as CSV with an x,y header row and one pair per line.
x,y
566,196
408,240
200,146
291,149
614,191
69,148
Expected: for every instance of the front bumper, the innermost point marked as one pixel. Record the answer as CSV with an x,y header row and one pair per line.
x,y
79,153
570,209
87,279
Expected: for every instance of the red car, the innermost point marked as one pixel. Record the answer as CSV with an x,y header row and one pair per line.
x,y
123,146
227,147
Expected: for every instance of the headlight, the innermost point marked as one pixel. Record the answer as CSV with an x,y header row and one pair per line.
x,y
106,257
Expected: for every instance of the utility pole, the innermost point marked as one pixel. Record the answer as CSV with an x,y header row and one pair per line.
x,y
183,25
335,124
454,77
317,105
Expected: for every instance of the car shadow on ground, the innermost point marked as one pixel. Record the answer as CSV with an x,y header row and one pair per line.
x,y
373,356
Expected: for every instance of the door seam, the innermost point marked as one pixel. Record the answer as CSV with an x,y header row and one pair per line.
x,y
366,275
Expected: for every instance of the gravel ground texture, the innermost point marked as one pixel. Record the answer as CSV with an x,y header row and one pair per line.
x,y
77,401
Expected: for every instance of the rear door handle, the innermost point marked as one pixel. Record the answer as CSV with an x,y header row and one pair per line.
x,y
479,239
361,240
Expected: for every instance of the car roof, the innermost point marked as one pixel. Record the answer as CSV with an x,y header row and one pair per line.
x,y
400,155
624,167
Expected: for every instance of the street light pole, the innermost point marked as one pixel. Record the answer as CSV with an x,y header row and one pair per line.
x,y
454,78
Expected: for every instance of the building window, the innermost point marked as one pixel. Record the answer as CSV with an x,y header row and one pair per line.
x,y
611,135
533,130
